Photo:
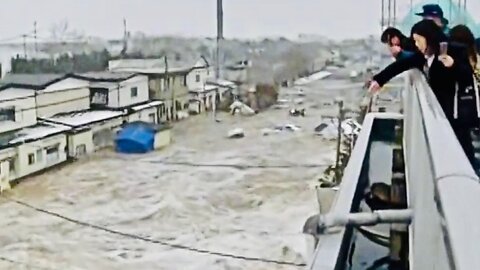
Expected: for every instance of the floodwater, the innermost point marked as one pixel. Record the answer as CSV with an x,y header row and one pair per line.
x,y
172,196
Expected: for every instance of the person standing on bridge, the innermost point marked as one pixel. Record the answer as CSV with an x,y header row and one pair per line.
x,y
463,35
445,73
435,13
400,46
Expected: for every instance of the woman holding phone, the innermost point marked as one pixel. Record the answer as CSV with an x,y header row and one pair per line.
x,y
446,68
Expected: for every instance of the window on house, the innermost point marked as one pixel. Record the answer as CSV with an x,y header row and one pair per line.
x,y
152,117
31,159
11,164
39,155
7,114
197,78
52,154
134,91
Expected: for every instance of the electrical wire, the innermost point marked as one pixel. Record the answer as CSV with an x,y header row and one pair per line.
x,y
153,241
237,166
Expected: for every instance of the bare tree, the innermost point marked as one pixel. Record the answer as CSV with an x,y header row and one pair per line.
x,y
61,32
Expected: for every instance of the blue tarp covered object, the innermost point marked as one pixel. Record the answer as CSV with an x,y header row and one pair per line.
x,y
136,138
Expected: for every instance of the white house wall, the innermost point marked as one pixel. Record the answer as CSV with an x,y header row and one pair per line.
x,y
192,83
145,115
50,103
6,155
78,142
23,101
141,82
22,168
67,84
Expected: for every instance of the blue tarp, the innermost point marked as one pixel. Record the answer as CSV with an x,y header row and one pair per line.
x,y
135,138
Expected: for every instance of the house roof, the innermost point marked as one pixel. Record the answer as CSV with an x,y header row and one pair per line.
x,y
29,134
106,76
156,66
83,118
31,81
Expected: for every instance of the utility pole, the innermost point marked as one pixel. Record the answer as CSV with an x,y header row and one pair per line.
x,y
24,46
339,140
382,23
125,37
394,13
219,36
389,12
173,110
35,35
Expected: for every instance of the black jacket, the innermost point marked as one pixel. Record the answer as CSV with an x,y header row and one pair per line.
x,y
442,80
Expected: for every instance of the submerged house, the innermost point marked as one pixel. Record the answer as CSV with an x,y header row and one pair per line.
x,y
170,83
26,145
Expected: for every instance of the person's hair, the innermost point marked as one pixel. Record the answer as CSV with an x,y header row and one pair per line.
x,y
391,32
462,34
432,33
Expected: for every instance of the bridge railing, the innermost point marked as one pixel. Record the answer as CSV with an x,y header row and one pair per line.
x,y
443,189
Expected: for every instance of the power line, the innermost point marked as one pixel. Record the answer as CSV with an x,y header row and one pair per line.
x,y
238,166
153,241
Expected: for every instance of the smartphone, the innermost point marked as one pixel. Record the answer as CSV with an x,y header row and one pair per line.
x,y
443,48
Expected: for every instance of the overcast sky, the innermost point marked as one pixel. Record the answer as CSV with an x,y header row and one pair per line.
x,y
243,18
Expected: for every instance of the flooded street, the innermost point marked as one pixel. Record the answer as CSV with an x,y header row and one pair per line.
x,y
247,197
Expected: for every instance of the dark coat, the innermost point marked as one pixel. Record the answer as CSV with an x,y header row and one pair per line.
x,y
442,80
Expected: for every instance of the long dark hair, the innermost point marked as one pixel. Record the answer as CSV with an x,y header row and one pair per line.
x,y
462,34
432,33
405,42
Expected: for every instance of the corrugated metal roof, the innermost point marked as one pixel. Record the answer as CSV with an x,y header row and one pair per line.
x,y
33,81
106,76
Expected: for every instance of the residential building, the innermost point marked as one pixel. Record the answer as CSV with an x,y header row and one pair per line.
x,y
28,147
17,109
237,72
54,93
90,129
210,95
115,90
170,83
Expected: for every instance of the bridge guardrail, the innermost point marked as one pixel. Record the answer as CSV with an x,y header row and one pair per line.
x,y
443,189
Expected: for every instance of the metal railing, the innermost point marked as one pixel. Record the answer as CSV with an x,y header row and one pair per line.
x,y
443,189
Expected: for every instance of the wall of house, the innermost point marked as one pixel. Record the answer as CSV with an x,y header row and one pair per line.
x,y
52,102
236,75
22,101
126,98
162,138
197,78
149,115
41,159
80,144
7,156
103,134
177,85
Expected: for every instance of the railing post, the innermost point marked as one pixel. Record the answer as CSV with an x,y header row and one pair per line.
x,y
398,232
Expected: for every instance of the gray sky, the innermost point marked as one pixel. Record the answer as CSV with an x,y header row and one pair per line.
x,y
243,18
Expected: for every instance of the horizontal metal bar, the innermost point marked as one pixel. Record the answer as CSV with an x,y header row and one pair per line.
x,y
403,216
